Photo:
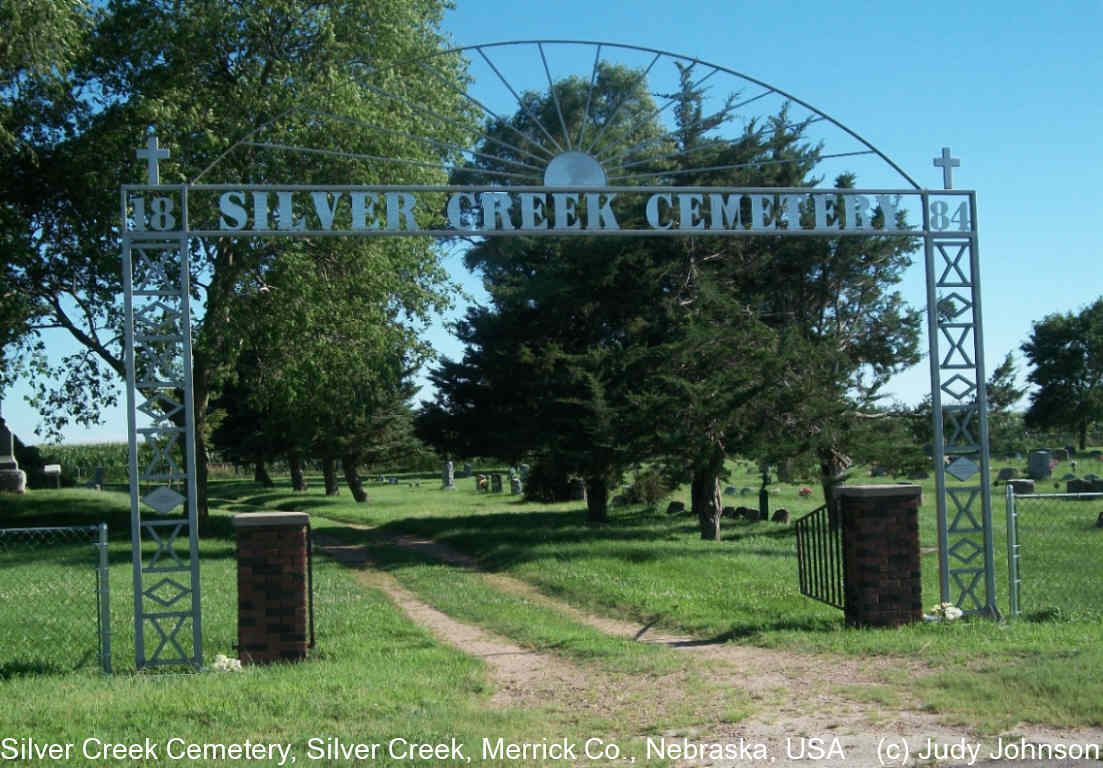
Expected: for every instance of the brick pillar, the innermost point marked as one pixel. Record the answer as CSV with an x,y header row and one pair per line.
x,y
881,550
271,586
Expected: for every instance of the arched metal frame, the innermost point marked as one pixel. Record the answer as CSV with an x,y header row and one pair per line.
x,y
156,237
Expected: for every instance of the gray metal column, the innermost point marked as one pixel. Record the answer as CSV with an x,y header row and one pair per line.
x,y
156,279
959,401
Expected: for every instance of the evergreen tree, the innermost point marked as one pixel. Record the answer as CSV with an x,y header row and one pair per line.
x,y
1066,352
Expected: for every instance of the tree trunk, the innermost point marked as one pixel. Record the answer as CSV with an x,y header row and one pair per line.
x,y
833,466
295,463
260,475
706,501
597,498
356,486
202,456
329,473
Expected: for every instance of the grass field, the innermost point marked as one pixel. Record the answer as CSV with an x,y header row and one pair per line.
x,y
375,673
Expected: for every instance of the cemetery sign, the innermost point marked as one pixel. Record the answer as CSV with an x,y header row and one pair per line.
x,y
568,190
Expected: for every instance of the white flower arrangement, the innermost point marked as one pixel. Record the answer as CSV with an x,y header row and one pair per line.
x,y
946,612
223,663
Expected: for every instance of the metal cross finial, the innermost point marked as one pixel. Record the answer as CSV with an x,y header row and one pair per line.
x,y
152,154
947,164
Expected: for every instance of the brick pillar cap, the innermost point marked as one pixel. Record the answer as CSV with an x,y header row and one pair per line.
x,y
869,491
271,519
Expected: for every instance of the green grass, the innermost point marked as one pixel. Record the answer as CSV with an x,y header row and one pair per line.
x,y
649,567
643,565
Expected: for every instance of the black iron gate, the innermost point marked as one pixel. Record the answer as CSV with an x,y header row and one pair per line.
x,y
820,564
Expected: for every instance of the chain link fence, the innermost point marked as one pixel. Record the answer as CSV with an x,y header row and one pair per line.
x,y
1053,555
54,599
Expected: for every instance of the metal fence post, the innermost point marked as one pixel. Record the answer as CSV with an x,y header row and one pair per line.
x,y
104,600
1012,553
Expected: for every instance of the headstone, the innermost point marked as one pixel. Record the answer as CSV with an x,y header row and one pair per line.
x,y
754,515
745,512
97,480
1037,464
392,480
620,500
524,469
1061,454
676,508
496,482
1091,478
12,478
577,489
781,515
448,477
746,492
879,470
728,512
1070,450
1021,486
515,485
1069,476
54,471
467,470
730,490
1006,473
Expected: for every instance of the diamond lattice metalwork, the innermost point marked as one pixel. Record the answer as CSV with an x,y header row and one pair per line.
x,y
164,500
166,592
962,468
966,550
950,387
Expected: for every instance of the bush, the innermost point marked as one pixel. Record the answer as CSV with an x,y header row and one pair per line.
x,y
648,487
547,483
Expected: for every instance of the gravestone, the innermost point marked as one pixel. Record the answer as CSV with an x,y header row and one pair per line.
x,y
676,508
1005,474
12,478
515,485
781,515
1068,476
1037,464
728,512
1021,486
746,492
448,476
745,512
1070,450
730,491
577,489
620,500
496,482
1091,478
524,470
467,470
1061,454
54,471
97,480
879,470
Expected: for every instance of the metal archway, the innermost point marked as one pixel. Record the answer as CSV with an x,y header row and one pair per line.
x,y
557,171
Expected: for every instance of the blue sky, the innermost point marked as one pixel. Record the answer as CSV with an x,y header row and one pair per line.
x,y
1011,87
